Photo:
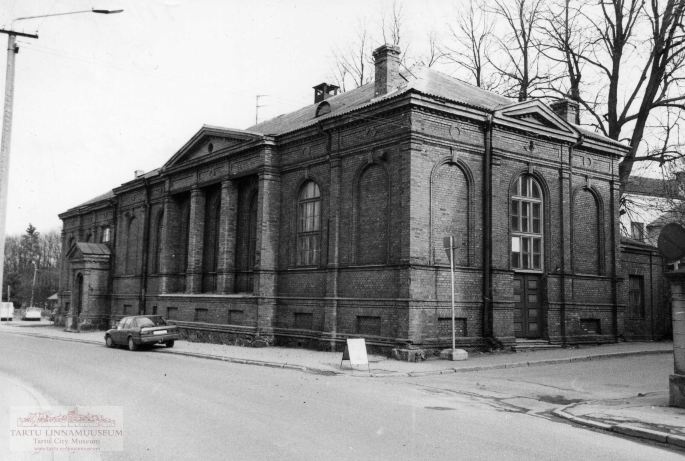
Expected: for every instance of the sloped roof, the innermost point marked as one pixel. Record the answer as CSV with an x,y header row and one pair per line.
x,y
87,248
654,187
427,81
106,196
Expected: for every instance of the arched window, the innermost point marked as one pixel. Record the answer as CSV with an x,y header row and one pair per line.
x,y
156,250
526,224
132,241
309,225
372,216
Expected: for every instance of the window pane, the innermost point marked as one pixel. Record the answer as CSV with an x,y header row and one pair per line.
x,y
516,244
524,216
536,189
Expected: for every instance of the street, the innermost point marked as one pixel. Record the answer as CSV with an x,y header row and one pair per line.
x,y
187,408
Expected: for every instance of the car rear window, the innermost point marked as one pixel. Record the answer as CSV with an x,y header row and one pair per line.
x,y
150,322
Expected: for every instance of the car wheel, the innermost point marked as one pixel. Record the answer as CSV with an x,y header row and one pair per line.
x,y
169,343
131,344
108,341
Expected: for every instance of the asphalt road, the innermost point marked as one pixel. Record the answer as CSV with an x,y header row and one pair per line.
x,y
186,408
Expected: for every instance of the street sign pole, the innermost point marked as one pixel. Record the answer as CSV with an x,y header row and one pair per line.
x,y
454,335
453,353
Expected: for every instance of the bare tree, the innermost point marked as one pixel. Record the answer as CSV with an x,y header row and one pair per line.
x,y
353,66
471,37
518,60
563,43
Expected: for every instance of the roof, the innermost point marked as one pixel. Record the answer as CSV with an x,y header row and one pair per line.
x,y
87,248
427,81
424,80
106,196
653,187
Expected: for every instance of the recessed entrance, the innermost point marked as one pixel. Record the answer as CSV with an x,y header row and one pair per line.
x,y
527,318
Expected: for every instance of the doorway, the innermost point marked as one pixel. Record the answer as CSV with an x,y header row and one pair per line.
x,y
527,306
78,304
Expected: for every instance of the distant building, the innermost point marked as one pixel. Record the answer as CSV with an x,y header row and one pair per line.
x,y
329,222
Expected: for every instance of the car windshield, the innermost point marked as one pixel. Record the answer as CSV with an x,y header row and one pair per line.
x,y
150,322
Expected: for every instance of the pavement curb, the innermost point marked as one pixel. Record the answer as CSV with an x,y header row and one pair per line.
x,y
534,363
623,429
285,366
410,374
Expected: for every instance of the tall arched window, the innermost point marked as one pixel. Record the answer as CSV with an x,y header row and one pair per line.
x,y
526,224
309,225
372,216
132,241
156,250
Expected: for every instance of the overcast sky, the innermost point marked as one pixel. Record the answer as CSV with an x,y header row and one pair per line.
x,y
99,96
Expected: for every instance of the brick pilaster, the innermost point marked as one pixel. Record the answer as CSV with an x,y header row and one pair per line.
x,y
196,235
227,237
333,253
268,212
168,246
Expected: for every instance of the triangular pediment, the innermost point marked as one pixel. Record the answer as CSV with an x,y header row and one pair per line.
x,y
534,113
209,140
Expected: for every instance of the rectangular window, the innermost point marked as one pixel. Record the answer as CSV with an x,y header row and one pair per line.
x,y
105,235
637,231
235,317
172,313
636,296
154,310
201,315
304,320
516,252
515,218
367,325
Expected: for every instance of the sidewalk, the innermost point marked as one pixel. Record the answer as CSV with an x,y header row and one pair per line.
x,y
643,416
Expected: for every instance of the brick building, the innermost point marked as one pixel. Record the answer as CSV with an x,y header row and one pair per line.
x,y
330,222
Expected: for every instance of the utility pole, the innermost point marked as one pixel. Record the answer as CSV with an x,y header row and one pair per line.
x,y
12,50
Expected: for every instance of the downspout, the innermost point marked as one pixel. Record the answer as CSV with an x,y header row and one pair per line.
x,y
614,256
651,294
113,258
562,309
146,243
487,229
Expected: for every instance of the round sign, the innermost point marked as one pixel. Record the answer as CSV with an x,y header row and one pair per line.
x,y
671,242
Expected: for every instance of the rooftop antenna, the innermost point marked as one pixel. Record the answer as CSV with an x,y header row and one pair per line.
x,y
257,106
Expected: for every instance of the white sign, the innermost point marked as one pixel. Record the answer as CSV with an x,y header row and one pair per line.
x,y
356,349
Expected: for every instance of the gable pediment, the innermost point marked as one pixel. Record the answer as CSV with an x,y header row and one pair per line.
x,y
207,141
532,114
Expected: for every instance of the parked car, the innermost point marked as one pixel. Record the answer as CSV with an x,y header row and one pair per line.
x,y
32,313
142,330
6,311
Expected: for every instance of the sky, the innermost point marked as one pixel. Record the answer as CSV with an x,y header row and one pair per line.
x,y
100,96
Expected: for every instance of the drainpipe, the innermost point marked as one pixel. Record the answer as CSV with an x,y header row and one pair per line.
x,y
487,229
562,309
146,243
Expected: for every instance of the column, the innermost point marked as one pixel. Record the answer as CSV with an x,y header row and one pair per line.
x,y
196,235
227,235
268,209
168,245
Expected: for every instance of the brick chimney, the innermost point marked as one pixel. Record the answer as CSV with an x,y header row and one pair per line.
x,y
567,109
324,91
387,62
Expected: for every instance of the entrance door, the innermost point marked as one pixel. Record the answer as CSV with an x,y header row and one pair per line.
x,y
527,318
79,301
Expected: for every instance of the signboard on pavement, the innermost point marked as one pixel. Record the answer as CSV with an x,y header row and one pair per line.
x,y
355,352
